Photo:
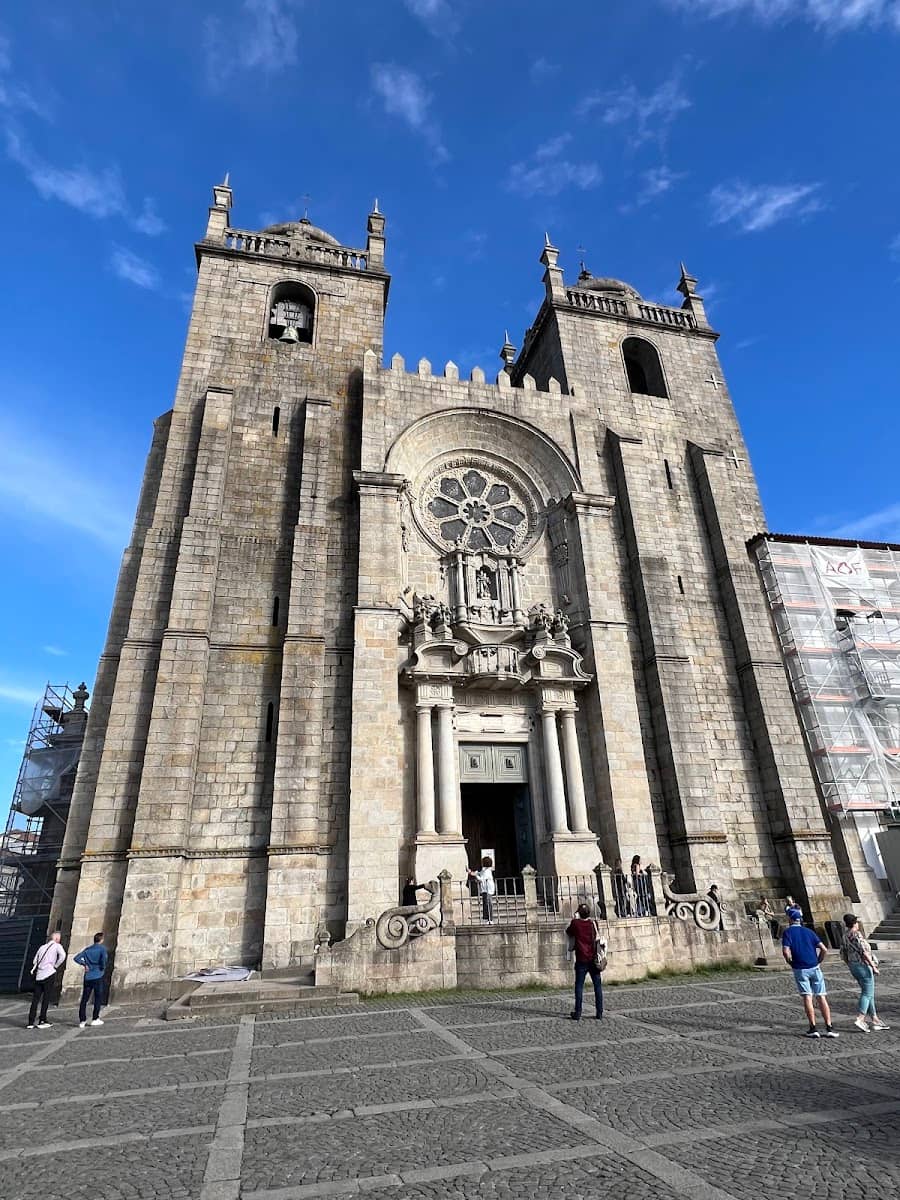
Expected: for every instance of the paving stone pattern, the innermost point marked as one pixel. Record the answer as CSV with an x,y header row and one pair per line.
x,y
704,1091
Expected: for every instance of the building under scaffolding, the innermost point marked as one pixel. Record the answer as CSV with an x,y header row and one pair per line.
x,y
33,838
837,611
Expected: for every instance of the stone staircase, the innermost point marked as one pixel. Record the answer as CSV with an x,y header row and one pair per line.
x,y
282,993
887,935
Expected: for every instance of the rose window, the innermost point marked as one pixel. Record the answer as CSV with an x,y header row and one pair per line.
x,y
471,510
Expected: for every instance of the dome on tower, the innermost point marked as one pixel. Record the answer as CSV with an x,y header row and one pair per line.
x,y
301,230
589,283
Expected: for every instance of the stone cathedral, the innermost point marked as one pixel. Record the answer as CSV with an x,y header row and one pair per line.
x,y
375,621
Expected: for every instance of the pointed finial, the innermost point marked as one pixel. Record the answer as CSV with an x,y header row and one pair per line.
x,y
547,241
687,284
375,207
507,352
225,180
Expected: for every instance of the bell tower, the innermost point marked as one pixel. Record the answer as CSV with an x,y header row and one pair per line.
x,y
205,825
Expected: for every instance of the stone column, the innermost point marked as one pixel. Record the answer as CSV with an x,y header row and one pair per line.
x,y
450,816
556,794
425,769
574,777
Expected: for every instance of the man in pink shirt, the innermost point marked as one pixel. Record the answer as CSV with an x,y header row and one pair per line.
x,y
43,970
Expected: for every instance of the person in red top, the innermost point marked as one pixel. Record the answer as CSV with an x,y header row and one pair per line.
x,y
583,932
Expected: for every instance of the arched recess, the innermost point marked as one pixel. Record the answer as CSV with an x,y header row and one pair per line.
x,y
292,306
643,368
506,448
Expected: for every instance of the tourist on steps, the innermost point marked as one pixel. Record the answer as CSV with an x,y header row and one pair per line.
x,y
94,959
803,952
487,888
409,892
48,959
859,957
585,934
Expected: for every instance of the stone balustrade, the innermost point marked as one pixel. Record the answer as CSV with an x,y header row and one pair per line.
x,y
632,310
249,242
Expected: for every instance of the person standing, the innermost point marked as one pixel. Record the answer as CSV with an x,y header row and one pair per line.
x,y
47,960
585,935
639,886
804,951
620,887
857,954
94,959
487,888
410,888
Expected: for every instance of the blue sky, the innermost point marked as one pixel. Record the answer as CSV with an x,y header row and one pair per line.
x,y
755,139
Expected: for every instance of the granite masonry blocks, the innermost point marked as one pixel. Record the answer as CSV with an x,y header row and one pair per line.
x,y
683,760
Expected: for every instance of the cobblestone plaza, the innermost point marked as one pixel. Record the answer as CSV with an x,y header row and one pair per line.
x,y
696,1089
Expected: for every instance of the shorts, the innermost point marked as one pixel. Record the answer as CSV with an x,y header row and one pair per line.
x,y
810,981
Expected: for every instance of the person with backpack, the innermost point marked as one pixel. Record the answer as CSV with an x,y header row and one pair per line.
x,y
590,958
94,960
47,960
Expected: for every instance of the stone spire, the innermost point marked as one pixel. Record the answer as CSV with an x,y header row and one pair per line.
x,y
218,213
553,276
375,240
692,302
507,353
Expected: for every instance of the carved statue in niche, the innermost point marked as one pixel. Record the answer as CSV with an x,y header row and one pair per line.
x,y
540,617
424,607
484,584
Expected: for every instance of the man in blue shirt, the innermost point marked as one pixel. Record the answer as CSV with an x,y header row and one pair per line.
x,y
803,951
94,959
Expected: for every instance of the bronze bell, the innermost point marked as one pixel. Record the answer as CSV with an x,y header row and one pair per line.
x,y
290,334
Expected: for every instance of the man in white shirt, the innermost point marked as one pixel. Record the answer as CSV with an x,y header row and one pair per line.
x,y
43,970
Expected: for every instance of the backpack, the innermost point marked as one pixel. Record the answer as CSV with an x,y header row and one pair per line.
x,y
601,958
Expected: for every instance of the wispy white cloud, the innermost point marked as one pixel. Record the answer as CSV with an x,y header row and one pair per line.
x,y
894,248
438,16
832,16
134,269
405,96
148,221
55,651
14,96
39,482
97,193
754,207
17,693
654,183
548,172
883,525
264,39
541,69
644,115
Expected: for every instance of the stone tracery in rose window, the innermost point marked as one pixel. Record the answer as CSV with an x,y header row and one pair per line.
x,y
475,510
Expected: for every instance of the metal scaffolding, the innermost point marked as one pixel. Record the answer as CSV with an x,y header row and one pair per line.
x,y
31,844
837,612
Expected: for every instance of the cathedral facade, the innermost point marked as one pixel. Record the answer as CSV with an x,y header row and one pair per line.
x,y
377,621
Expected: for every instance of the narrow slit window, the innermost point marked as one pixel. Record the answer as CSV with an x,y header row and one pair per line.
x,y
276,604
668,473
276,419
680,585
270,720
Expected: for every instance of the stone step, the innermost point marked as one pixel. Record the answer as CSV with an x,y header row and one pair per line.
x,y
255,996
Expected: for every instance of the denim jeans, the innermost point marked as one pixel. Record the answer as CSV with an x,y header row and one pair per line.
x,y
583,969
865,977
487,906
89,986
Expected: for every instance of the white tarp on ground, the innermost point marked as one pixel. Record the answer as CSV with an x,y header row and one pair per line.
x,y
41,775
220,975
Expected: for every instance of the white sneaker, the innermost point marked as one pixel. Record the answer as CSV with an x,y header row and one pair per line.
x,y
45,1024
30,1026
879,1024
96,1021
861,1025
81,1024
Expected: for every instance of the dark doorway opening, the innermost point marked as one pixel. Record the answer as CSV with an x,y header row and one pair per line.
x,y
497,816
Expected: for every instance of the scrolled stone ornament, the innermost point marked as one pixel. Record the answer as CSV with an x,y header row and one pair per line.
x,y
395,927
685,906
